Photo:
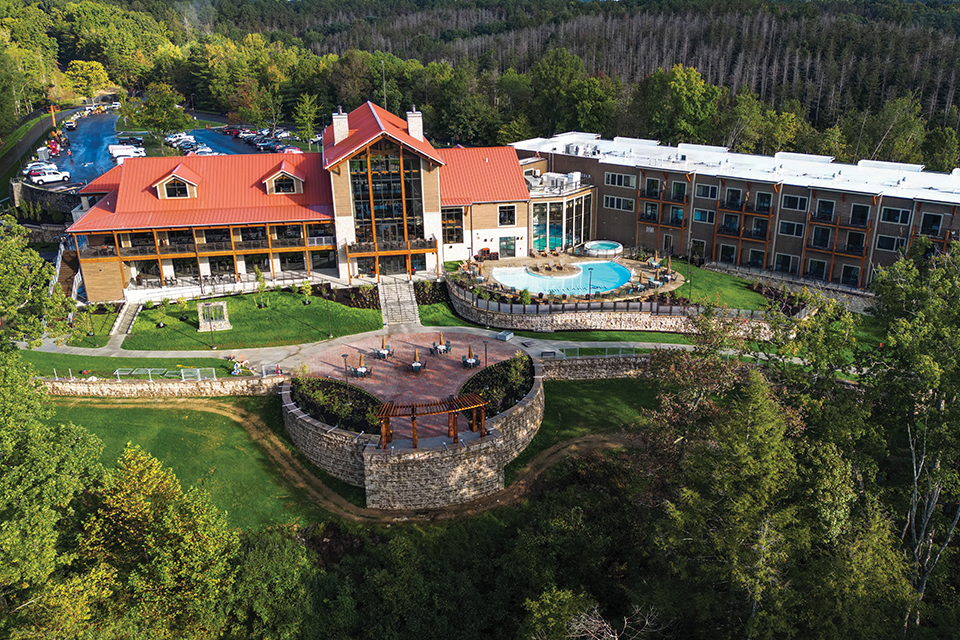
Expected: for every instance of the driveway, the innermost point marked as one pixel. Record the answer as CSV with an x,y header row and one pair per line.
x,y
88,143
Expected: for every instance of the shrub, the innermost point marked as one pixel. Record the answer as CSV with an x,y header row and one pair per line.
x,y
336,403
524,297
504,384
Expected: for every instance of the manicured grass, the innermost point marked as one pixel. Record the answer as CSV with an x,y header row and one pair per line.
x,y
103,367
11,140
286,321
577,408
101,323
452,266
203,449
717,288
441,315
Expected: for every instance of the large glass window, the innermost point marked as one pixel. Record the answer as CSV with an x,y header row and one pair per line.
x,y
556,225
540,226
387,199
452,221
508,247
896,216
507,215
284,184
177,189
620,180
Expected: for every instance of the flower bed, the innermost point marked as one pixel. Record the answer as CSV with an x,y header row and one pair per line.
x,y
336,403
503,384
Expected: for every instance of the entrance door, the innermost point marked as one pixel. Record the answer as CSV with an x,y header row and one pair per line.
x,y
393,265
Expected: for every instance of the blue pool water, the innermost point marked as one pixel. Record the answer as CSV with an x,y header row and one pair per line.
x,y
606,276
603,244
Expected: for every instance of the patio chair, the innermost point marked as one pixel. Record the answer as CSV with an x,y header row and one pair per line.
x,y
449,347
433,349
463,359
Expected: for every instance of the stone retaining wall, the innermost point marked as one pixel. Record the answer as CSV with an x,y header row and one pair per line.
x,y
422,478
165,388
337,451
597,367
428,478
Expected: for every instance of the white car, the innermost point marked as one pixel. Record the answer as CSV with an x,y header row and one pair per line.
x,y
39,165
51,175
173,138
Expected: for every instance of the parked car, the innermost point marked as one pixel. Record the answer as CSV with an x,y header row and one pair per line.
x,y
280,134
115,106
38,165
51,175
291,150
135,141
230,131
267,145
174,137
246,134
70,125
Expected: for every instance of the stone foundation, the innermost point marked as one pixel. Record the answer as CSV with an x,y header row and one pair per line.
x,y
597,367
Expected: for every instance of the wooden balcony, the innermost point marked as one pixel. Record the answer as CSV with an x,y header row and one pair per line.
x,y
178,247
851,249
99,251
139,250
392,247
729,230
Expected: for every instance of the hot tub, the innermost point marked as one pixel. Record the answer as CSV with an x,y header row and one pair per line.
x,y
603,249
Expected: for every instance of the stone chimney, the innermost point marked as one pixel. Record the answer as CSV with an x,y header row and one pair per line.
x,y
341,128
415,124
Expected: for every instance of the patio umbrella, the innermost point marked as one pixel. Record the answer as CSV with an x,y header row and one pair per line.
x,y
669,267
470,351
416,355
383,342
361,359
656,256
441,337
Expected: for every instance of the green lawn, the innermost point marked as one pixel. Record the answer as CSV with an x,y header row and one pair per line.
x,y
286,321
11,140
719,288
441,314
101,324
203,449
102,367
576,408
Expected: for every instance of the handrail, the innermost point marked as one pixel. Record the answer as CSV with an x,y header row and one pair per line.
x,y
56,269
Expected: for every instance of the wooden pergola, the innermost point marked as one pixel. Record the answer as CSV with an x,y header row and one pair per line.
x,y
452,406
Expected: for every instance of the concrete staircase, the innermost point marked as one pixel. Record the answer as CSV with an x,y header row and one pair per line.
x,y
125,320
69,265
398,302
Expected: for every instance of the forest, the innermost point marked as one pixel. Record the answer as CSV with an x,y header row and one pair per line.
x,y
853,80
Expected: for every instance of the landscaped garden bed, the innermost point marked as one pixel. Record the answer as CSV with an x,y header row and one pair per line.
x,y
503,384
336,403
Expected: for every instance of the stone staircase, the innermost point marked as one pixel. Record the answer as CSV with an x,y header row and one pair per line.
x,y
125,320
69,265
398,302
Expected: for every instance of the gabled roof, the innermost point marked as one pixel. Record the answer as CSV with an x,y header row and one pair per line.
x,y
287,168
105,183
482,174
185,173
230,191
367,123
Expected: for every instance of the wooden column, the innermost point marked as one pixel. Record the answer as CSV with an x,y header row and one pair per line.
x,y
456,430
473,423
384,428
450,420
483,422
413,423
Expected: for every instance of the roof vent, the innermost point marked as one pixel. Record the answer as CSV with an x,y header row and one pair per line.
x,y
341,126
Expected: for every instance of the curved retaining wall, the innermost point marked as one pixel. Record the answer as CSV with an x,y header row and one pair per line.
x,y
420,478
108,388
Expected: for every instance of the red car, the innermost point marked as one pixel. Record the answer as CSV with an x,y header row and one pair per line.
x,y
230,131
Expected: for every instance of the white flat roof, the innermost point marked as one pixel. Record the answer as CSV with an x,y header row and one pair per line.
x,y
871,177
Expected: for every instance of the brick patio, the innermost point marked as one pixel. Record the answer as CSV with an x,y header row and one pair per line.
x,y
391,381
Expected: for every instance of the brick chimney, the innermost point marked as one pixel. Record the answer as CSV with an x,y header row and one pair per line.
x,y
415,124
341,128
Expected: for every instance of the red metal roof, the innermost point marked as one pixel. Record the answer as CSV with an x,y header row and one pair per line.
x,y
186,174
367,123
105,183
482,174
230,191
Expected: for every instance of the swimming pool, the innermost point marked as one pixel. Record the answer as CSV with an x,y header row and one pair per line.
x,y
603,248
602,276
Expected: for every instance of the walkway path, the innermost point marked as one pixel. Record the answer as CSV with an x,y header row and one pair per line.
x,y
29,140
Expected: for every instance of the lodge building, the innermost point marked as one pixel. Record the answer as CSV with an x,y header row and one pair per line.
x,y
797,214
380,199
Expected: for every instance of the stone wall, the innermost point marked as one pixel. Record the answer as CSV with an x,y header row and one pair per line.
x,y
337,451
576,320
165,388
428,478
597,367
61,201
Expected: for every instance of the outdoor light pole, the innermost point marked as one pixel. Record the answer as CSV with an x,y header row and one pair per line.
x,y
213,343
345,356
329,321
485,354
590,285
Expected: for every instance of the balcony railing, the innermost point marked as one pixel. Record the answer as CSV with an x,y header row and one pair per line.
x,y
393,245
321,241
281,243
931,232
648,217
819,216
650,194
755,234
729,230
140,250
851,249
731,205
178,247
246,245
819,245
673,221
674,197
207,247
856,222
100,251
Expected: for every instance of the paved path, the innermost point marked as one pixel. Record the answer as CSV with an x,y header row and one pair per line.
x,y
29,140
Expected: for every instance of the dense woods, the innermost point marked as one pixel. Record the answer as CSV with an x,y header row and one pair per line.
x,y
854,80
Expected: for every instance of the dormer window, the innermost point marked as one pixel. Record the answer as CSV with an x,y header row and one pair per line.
x,y
284,184
284,179
177,189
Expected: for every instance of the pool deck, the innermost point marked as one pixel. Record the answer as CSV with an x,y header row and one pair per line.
x,y
642,269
